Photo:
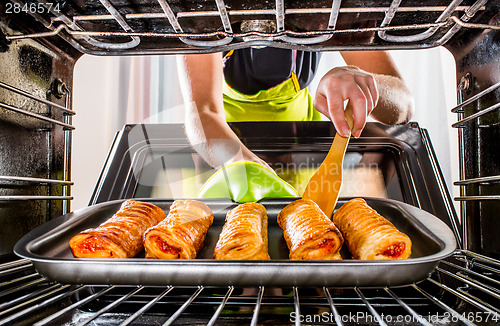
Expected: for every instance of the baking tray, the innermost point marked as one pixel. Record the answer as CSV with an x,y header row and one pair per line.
x,y
47,247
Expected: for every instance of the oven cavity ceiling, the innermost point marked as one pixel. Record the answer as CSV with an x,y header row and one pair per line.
x,y
106,27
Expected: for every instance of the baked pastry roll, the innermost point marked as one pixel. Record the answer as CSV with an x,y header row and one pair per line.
x,y
244,234
308,232
121,235
369,235
181,233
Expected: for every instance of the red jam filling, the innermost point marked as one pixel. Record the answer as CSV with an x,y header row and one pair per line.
x,y
325,243
395,250
91,246
166,248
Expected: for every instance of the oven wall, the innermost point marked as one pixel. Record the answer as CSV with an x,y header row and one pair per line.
x,y
30,147
478,68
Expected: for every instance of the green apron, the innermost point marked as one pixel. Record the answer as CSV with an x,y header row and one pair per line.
x,y
284,102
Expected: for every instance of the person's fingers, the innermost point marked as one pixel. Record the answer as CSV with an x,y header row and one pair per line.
x,y
372,87
362,107
347,83
331,96
360,114
251,156
337,115
365,87
321,104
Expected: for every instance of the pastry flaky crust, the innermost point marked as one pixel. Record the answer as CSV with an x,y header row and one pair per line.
x,y
309,233
369,235
121,235
181,234
244,234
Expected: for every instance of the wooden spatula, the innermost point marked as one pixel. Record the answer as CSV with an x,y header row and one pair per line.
x,y
324,186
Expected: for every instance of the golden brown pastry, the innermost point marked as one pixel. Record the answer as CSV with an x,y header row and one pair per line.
x,y
309,234
121,235
181,233
368,235
244,234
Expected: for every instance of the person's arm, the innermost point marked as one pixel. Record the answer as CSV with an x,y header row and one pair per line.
x,y
373,85
201,81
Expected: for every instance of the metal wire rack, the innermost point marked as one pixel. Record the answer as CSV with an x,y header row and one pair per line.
x,y
194,30
463,289
469,186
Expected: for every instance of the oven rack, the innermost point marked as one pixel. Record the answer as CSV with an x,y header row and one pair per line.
x,y
31,100
473,298
423,32
468,184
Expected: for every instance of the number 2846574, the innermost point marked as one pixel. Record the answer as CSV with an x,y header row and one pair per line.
x,y
32,8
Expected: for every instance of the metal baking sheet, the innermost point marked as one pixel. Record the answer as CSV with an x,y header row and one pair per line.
x,y
47,247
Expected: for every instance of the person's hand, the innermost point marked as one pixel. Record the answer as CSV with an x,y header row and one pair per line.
x,y
347,83
250,156
226,151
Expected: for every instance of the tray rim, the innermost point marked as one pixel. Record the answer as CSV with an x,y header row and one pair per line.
x,y
441,232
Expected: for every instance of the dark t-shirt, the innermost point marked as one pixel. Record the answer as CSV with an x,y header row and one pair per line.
x,y
251,70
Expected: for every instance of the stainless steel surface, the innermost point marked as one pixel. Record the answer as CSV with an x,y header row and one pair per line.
x,y
323,25
464,86
36,98
280,22
258,304
478,198
430,302
476,115
63,91
372,310
296,304
474,98
124,25
494,178
412,312
33,197
48,247
463,21
391,12
35,180
34,115
219,310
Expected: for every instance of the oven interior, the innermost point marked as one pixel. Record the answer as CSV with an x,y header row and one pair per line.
x,y
40,42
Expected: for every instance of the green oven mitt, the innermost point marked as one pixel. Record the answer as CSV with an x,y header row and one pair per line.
x,y
246,181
